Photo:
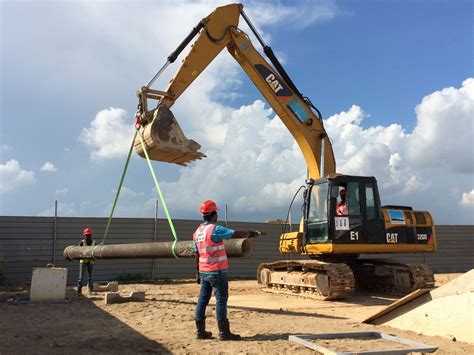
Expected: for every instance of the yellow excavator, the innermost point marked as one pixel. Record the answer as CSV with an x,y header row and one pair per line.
x,y
332,237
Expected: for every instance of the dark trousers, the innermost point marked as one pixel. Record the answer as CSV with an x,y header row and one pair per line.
x,y
90,271
219,283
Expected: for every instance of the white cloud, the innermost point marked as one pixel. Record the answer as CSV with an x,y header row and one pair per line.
x,y
256,172
70,209
109,135
12,176
67,209
131,44
259,166
468,198
294,14
136,207
424,168
443,136
138,48
128,192
252,166
49,167
62,192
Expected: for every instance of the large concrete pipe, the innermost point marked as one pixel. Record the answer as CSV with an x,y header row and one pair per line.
x,y
241,247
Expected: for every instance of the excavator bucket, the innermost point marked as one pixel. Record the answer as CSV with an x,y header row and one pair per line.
x,y
164,139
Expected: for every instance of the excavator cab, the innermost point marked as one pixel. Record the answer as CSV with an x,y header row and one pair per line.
x,y
343,216
342,209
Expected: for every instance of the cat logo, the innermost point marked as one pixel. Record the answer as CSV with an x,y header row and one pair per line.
x,y
278,86
392,238
273,82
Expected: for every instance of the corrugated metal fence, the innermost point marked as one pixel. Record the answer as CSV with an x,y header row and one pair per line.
x,y
27,242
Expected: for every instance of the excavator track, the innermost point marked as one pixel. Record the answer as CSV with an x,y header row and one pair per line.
x,y
390,276
308,278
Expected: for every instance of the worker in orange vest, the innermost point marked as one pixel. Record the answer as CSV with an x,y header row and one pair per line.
x,y
212,265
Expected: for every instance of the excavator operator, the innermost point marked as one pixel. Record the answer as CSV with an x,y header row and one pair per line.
x,y
342,205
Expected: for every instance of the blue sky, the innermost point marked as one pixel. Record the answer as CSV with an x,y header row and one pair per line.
x,y
392,78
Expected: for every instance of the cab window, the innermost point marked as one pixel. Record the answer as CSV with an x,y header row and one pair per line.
x,y
317,227
348,202
352,198
370,202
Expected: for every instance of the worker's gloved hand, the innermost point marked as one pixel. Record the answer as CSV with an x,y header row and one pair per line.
x,y
198,278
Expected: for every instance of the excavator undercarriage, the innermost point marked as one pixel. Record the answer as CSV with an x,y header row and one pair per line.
x,y
327,281
391,276
311,278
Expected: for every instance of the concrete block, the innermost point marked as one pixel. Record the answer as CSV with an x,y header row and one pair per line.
x,y
110,287
447,311
114,297
48,284
450,316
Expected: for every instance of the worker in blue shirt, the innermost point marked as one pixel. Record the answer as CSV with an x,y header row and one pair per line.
x,y
211,265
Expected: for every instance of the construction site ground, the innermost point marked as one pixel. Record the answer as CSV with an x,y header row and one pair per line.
x,y
164,323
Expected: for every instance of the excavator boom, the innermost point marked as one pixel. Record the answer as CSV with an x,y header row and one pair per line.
x,y
163,135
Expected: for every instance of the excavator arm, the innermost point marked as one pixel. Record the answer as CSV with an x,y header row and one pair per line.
x,y
164,138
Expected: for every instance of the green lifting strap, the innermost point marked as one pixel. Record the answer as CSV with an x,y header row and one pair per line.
x,y
119,188
170,222
116,197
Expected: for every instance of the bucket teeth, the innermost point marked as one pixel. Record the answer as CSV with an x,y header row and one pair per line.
x,y
165,140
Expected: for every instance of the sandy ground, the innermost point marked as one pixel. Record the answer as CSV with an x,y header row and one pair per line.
x,y
164,323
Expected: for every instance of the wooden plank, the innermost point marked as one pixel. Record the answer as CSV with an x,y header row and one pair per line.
x,y
397,304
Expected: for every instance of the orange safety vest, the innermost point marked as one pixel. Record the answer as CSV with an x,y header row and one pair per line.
x,y
212,256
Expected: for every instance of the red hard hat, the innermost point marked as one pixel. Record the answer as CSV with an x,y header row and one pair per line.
x,y
87,231
208,206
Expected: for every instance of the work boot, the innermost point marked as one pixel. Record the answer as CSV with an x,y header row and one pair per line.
x,y
224,331
201,330
79,290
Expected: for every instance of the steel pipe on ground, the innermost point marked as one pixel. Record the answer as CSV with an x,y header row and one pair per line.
x,y
163,250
